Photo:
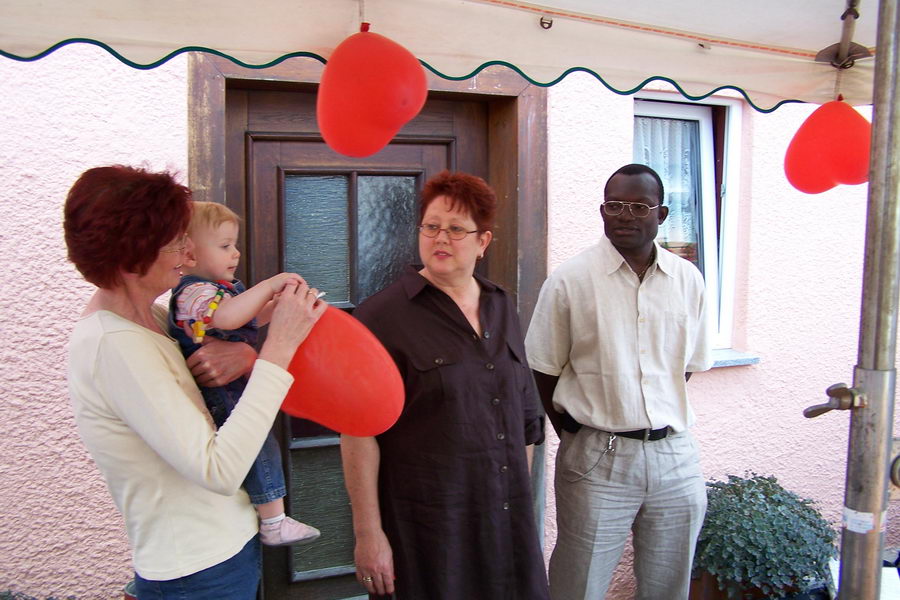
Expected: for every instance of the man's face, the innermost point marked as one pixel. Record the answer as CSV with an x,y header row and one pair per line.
x,y
625,231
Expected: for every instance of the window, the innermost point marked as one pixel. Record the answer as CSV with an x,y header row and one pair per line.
x,y
695,148
350,234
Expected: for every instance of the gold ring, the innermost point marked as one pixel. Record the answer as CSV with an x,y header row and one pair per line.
x,y
367,579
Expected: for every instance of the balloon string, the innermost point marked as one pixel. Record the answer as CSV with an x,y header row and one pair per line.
x,y
363,24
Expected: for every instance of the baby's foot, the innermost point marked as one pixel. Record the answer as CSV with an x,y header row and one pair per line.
x,y
287,531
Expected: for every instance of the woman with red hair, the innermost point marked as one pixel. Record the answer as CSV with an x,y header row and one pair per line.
x,y
442,505
175,479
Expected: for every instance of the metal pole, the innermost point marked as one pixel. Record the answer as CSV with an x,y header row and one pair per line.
x,y
847,31
865,496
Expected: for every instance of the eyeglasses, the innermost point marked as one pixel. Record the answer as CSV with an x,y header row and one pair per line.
x,y
182,245
638,209
454,232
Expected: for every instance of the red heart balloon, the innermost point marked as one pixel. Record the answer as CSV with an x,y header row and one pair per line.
x,y
371,87
344,378
831,147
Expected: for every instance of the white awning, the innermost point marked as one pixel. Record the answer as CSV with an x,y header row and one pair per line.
x,y
764,48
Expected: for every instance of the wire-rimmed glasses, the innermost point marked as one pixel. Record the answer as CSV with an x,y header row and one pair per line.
x,y
638,210
454,232
182,245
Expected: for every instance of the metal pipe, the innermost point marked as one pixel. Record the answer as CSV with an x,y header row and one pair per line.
x,y
865,496
849,17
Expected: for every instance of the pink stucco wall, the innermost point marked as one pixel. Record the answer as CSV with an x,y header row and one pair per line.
x,y
60,533
797,300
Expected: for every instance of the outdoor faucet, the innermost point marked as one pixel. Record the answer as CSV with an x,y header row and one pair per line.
x,y
840,397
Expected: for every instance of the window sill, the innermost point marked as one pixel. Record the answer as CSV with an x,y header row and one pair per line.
x,y
726,357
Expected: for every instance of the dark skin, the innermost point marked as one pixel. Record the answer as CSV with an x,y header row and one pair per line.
x,y
633,238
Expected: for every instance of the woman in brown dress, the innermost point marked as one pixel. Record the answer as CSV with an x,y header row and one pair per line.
x,y
442,505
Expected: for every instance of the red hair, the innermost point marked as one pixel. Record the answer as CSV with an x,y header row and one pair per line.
x,y
118,218
471,194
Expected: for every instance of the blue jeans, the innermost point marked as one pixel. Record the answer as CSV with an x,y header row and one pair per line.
x,y
265,479
234,579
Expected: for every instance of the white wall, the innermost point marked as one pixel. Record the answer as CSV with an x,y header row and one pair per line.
x,y
60,533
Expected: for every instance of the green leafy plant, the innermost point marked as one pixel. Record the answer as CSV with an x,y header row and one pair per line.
x,y
759,536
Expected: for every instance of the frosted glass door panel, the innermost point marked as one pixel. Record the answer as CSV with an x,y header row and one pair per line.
x,y
317,232
386,228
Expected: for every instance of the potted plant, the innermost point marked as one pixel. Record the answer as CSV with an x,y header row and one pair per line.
x,y
760,540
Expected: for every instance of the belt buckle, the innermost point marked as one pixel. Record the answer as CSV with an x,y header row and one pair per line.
x,y
647,433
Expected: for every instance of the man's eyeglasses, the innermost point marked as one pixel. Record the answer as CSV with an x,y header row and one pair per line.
x,y
638,209
454,232
182,245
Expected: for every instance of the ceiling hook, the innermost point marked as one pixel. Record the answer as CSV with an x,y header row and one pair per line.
x,y
546,22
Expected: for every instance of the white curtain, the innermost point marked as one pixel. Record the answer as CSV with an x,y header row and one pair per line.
x,y
672,148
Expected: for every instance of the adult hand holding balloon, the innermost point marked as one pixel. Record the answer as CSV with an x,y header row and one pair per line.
x,y
831,147
344,378
370,88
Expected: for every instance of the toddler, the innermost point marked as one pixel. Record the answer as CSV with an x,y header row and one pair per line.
x,y
210,301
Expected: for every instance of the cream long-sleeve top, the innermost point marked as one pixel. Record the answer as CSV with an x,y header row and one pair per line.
x,y
175,479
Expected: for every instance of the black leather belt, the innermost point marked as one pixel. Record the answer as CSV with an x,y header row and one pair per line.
x,y
648,435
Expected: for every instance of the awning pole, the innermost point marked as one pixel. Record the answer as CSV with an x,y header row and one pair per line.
x,y
866,492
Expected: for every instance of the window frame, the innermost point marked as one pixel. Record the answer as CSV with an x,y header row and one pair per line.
x,y
720,281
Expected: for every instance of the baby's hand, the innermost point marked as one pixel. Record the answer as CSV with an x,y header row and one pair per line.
x,y
276,283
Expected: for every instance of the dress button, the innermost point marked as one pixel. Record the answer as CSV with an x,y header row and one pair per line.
x,y
495,401
489,366
487,335
506,506
504,469
501,436
439,361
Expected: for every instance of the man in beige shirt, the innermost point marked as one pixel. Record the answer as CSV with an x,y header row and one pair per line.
x,y
616,333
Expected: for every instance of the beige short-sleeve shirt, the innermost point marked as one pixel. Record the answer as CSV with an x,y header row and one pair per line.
x,y
619,346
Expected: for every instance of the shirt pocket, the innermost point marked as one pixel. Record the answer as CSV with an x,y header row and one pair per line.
x,y
437,381
675,335
521,373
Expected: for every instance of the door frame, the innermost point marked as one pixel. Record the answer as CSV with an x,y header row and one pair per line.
x,y
517,171
517,152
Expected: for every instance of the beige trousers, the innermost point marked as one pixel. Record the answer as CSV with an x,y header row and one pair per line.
x,y
653,489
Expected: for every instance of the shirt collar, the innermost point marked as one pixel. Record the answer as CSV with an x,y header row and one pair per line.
x,y
612,260
413,283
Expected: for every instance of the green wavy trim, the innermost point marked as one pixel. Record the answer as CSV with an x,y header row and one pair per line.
x,y
321,59
161,61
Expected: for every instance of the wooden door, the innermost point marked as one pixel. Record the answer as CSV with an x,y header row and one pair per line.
x,y
348,226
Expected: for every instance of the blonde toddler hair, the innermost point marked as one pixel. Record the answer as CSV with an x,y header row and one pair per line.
x,y
209,215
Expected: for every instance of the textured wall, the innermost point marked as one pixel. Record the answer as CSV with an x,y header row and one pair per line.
x,y
59,531
797,298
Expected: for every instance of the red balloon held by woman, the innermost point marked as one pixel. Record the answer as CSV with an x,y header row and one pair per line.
x,y
370,88
344,378
831,147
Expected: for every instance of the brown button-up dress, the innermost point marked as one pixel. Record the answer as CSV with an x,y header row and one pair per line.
x,y
454,487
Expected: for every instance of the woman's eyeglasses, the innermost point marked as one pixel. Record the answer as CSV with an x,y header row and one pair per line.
x,y
180,247
638,209
454,232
